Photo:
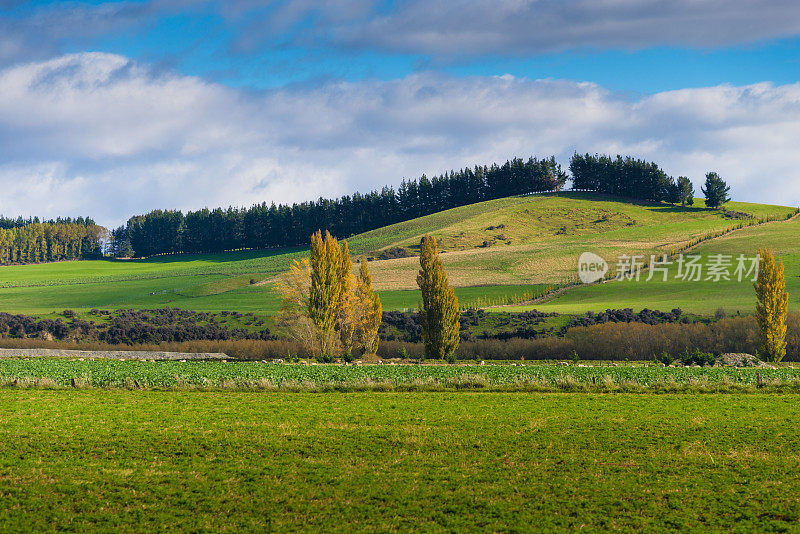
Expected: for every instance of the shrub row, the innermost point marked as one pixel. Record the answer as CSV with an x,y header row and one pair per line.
x,y
133,326
186,331
607,341
405,326
627,315
621,341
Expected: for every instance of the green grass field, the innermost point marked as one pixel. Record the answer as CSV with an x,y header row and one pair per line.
x,y
542,238
345,462
704,296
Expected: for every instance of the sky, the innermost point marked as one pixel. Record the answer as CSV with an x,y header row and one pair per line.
x,y
111,109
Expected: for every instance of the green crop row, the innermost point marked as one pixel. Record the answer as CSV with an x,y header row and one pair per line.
x,y
257,375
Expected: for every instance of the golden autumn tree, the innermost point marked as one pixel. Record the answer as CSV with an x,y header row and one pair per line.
x,y
772,306
324,307
295,289
326,287
368,310
345,306
438,311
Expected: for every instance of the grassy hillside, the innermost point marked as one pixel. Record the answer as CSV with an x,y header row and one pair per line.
x,y
705,296
538,239
493,250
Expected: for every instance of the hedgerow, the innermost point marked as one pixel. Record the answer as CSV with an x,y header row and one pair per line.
x,y
127,327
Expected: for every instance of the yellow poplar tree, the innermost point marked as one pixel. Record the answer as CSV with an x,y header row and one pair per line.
x,y
369,310
438,311
326,288
325,307
344,309
772,306
295,287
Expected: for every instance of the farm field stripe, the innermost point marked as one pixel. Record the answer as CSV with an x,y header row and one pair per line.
x,y
60,373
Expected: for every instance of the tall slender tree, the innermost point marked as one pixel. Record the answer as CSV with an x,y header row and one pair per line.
x,y
772,306
344,310
438,311
326,288
295,288
324,307
369,310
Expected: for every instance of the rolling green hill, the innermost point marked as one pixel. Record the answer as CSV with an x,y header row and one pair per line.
x,y
539,239
704,296
493,250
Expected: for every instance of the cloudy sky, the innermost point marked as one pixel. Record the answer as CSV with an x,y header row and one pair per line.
x,y
116,108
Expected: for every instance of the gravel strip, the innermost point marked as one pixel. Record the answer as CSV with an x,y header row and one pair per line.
x,y
110,354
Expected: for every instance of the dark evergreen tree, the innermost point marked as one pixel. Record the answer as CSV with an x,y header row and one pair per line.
x,y
685,191
674,194
625,177
715,190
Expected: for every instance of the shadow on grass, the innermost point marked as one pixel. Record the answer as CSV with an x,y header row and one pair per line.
x,y
216,257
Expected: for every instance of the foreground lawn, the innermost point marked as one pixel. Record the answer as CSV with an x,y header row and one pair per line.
x,y
134,460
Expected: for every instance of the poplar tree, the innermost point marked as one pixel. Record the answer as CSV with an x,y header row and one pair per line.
x,y
772,306
326,288
324,306
295,289
438,311
370,310
344,309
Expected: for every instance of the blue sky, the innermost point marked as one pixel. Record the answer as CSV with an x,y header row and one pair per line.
x,y
242,48
113,108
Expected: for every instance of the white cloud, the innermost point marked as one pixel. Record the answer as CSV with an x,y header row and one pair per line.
x,y
98,134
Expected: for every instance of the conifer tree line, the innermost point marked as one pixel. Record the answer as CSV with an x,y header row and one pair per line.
x,y
8,222
628,177
59,240
270,225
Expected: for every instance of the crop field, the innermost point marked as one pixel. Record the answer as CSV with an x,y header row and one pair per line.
x,y
704,296
343,462
543,237
270,376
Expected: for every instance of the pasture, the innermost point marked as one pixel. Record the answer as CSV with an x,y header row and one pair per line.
x,y
702,297
545,235
542,237
344,462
